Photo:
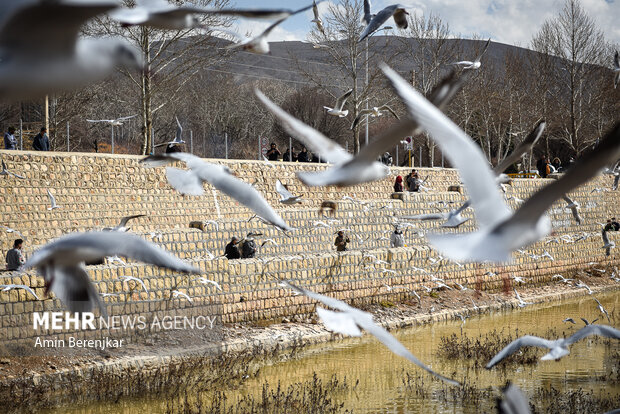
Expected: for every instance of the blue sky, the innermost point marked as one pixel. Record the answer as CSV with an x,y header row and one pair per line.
x,y
506,21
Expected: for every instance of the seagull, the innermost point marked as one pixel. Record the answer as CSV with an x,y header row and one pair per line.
x,y
374,112
117,260
190,182
522,303
38,59
5,171
558,347
60,264
616,70
5,288
347,169
272,241
317,20
177,293
122,226
105,295
286,196
571,320
500,231
337,109
451,219
467,64
574,207
268,163
135,279
206,281
52,201
349,320
580,284
602,309
461,287
214,224
517,279
562,278
608,244
113,122
10,230
513,402
588,322
547,255
178,137
398,11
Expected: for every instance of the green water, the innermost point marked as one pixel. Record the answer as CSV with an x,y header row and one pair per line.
x,y
380,373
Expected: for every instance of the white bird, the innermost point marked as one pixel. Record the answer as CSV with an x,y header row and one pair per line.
x,y
39,59
5,171
599,190
500,231
547,255
177,293
317,19
286,196
580,284
116,259
320,224
517,279
337,110
206,281
608,244
129,278
60,264
522,303
52,201
268,163
451,218
574,207
156,235
190,182
178,137
558,347
602,309
571,320
10,230
398,11
349,320
616,69
384,270
468,64
106,295
122,226
5,288
272,241
461,287
373,112
562,278
214,224
113,122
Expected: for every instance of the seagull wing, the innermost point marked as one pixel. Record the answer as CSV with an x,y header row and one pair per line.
x,y
514,346
126,117
486,46
80,247
400,17
52,198
592,329
47,37
617,60
605,238
368,16
270,28
390,110
310,137
463,153
342,100
377,21
124,220
74,288
514,401
431,216
179,132
615,184
315,11
587,167
525,146
284,193
339,322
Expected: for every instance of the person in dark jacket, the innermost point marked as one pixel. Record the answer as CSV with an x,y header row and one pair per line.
x,y
557,164
303,155
232,252
413,181
41,142
273,153
341,242
541,166
248,250
398,184
289,155
14,257
10,143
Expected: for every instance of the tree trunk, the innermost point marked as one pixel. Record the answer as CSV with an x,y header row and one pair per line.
x,y
145,96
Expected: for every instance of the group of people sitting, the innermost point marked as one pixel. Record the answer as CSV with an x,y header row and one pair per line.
x,y
612,225
290,156
412,181
240,249
545,167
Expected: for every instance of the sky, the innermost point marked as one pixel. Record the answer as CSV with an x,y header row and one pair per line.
x,y
512,22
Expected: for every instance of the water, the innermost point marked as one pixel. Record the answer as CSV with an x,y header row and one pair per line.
x,y
380,373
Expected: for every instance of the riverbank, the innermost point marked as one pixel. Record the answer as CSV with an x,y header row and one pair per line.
x,y
37,382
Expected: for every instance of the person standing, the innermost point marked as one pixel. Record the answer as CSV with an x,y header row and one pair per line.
x,y
397,239
542,166
41,142
231,251
289,155
10,143
341,242
303,155
274,153
14,257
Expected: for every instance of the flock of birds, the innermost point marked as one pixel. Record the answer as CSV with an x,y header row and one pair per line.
x,y
48,56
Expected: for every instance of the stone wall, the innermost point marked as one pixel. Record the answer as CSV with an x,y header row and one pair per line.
x,y
97,190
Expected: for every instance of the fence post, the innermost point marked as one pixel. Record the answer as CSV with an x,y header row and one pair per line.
x,y
290,149
112,139
420,160
191,141
259,149
397,162
21,135
68,149
226,143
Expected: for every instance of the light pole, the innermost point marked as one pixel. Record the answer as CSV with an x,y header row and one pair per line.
x,y
380,30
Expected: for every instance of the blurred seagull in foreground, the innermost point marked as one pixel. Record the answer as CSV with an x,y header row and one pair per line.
x,y
5,171
500,231
52,201
6,288
61,264
558,347
616,69
374,112
40,52
467,64
286,196
190,182
349,320
398,11
574,207
337,109
122,226
513,401
608,244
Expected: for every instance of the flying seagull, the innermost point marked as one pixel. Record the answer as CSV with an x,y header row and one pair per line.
x,y
374,112
10,230
177,293
5,171
574,208
616,70
513,401
286,196
608,244
468,64
558,347
60,264
349,320
190,182
500,231
367,14
347,169
122,226
49,56
178,137
206,281
317,19
52,201
6,288
113,122
130,278
398,11
337,109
